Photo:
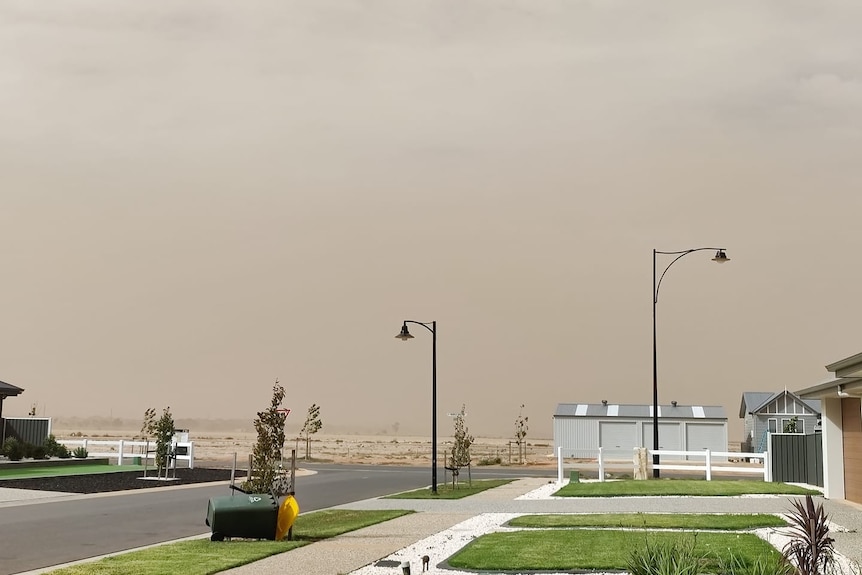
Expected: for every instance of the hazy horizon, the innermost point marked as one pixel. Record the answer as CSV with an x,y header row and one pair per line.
x,y
199,198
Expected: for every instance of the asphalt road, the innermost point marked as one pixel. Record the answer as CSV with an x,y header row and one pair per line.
x,y
38,535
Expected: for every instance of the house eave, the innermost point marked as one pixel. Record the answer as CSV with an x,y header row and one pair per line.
x,y
830,388
847,367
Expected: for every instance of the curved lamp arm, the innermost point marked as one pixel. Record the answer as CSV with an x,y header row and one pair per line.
x,y
405,335
720,257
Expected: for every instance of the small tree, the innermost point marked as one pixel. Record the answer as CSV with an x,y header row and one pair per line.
x,y
461,445
163,431
149,422
521,428
311,426
266,455
791,426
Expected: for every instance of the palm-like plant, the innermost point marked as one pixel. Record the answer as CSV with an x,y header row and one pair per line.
x,y
810,547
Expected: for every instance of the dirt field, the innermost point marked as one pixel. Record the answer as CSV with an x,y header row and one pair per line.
x,y
219,448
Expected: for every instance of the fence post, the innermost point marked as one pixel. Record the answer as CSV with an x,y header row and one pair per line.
x,y
601,465
708,465
191,455
120,453
767,461
560,464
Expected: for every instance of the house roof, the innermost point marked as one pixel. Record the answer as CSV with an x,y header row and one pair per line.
x,y
639,411
7,389
751,400
754,401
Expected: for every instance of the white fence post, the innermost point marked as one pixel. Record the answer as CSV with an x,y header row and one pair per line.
x,y
191,453
601,465
120,452
560,464
708,465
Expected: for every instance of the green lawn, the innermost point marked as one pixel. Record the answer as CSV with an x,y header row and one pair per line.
x,y
205,557
654,487
543,549
717,521
13,472
445,491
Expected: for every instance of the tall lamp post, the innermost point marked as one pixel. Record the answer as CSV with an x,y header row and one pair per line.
x,y
720,257
404,336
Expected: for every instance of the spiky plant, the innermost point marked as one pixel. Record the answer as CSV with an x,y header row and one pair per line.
x,y
810,547
666,558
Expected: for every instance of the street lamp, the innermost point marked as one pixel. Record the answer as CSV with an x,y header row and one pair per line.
x,y
720,257
404,336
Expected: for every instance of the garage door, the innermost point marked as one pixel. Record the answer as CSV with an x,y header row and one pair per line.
x,y
669,436
702,436
617,438
851,418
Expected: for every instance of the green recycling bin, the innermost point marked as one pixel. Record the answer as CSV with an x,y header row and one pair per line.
x,y
248,515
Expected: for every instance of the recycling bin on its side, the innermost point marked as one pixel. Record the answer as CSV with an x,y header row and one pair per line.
x,y
248,515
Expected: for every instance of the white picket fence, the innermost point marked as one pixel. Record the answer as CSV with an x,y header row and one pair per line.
x,y
125,451
677,458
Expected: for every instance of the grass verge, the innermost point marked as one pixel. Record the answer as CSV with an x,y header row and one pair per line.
x,y
205,557
605,549
694,487
445,491
57,471
716,521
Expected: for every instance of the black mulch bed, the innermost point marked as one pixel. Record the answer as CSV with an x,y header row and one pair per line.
x,y
119,481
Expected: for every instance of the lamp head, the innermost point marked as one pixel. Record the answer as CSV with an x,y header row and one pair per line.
x,y
404,335
720,257
841,392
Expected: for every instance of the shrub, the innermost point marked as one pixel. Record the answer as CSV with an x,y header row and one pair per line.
x,y
490,461
38,452
13,449
28,450
54,448
80,453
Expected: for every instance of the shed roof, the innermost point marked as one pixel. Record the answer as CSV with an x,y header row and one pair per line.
x,y
639,411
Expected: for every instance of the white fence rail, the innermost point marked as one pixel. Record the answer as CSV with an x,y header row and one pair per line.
x,y
709,465
677,460
124,450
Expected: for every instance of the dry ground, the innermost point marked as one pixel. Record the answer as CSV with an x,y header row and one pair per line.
x,y
219,448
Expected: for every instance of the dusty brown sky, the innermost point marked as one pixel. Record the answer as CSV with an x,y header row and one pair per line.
x,y
199,197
